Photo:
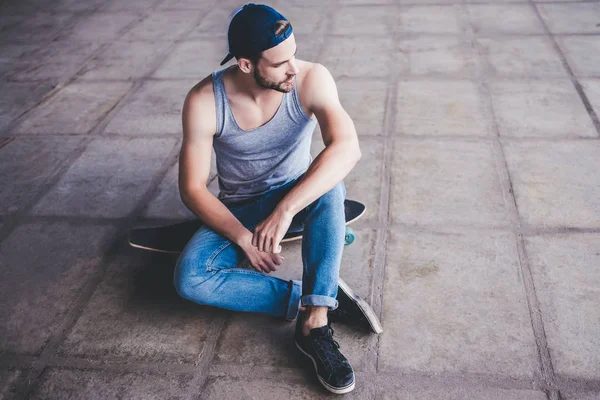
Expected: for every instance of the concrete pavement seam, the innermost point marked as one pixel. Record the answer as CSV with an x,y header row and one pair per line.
x,y
403,136
79,304
127,365
41,362
433,229
63,166
217,324
381,244
5,140
204,362
574,80
544,358
52,93
471,380
547,383
123,224
14,219
254,372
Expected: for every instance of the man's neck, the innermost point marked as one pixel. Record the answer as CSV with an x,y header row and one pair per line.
x,y
245,85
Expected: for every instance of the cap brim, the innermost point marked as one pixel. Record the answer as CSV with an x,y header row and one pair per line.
x,y
226,59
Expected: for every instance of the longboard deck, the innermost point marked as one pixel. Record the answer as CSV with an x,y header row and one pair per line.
x,y
173,238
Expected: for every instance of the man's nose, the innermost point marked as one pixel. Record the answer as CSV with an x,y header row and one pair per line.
x,y
294,68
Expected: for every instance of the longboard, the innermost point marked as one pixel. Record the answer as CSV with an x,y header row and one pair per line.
x,y
173,238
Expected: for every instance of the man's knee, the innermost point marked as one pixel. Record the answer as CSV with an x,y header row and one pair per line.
x,y
335,196
190,279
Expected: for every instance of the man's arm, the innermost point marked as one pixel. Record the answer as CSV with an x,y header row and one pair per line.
x,y
342,150
341,154
199,126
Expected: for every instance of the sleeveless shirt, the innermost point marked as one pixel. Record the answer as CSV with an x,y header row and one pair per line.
x,y
250,163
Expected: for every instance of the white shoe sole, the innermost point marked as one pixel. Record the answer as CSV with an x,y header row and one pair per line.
x,y
364,307
327,386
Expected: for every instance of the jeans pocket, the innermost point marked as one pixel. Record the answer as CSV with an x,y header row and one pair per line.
x,y
211,259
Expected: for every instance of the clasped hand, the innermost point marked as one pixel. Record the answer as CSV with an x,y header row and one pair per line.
x,y
263,254
269,233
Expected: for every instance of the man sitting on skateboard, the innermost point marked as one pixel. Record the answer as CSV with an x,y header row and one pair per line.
x,y
257,115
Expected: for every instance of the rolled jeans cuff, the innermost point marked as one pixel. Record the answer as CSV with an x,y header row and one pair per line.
x,y
318,300
294,303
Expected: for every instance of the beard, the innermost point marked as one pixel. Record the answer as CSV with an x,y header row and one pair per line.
x,y
282,86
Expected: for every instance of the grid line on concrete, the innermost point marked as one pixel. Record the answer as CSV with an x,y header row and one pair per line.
x,y
150,7
125,223
39,365
261,372
432,229
381,244
546,380
380,379
403,136
14,219
65,164
578,384
435,76
94,131
158,61
565,63
380,247
71,21
469,379
480,35
79,304
8,129
5,140
24,361
543,351
203,364
554,393
320,38
380,257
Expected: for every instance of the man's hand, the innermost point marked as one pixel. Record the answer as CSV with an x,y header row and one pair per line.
x,y
260,261
269,233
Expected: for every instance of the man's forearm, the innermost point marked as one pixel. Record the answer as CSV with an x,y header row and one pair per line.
x,y
216,215
327,170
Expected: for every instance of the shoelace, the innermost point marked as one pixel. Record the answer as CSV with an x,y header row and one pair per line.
x,y
333,358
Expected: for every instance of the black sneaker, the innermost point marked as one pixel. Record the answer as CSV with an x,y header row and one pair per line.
x,y
354,310
332,368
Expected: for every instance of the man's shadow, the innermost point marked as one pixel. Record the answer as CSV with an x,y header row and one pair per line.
x,y
153,281
153,287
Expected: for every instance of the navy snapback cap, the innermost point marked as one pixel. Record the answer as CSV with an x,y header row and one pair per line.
x,y
252,30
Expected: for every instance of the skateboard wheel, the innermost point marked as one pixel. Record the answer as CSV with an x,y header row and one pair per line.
x,y
349,236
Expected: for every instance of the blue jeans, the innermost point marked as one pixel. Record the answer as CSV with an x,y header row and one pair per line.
x,y
207,271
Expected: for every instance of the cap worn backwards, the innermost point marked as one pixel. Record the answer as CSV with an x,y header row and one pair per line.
x,y
252,30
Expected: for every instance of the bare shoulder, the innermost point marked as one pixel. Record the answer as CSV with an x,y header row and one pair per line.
x,y
312,75
315,85
199,109
316,72
202,94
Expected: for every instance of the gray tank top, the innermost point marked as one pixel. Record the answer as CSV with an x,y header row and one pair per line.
x,y
251,163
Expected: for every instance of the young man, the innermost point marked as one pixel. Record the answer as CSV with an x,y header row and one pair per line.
x,y
257,115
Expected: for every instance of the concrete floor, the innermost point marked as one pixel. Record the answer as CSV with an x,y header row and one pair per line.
x,y
480,250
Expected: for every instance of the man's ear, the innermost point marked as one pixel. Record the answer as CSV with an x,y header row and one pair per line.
x,y
245,65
